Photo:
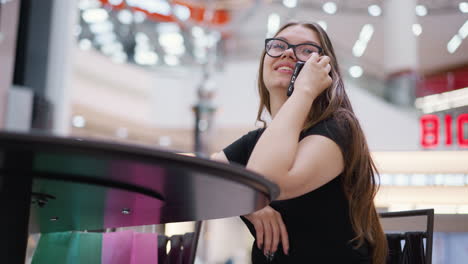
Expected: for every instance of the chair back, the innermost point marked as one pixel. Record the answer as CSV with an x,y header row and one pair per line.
x,y
413,251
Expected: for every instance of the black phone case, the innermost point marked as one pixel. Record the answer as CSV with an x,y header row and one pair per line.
x,y
297,69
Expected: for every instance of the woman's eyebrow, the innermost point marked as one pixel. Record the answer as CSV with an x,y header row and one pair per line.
x,y
308,41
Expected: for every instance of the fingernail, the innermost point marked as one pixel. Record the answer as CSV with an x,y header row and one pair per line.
x,y
272,255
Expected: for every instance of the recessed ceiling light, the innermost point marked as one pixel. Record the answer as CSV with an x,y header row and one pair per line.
x,y
421,10
463,31
417,29
182,12
374,10
290,3
355,71
463,6
125,16
329,8
85,44
115,2
273,24
454,43
171,60
94,15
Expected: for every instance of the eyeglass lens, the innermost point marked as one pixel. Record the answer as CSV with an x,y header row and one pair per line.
x,y
276,47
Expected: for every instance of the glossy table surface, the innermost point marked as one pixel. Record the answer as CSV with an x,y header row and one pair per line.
x,y
82,184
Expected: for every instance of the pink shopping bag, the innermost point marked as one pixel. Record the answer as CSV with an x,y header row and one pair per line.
x,y
129,247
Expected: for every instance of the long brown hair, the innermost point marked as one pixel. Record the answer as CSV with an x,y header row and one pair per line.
x,y
359,181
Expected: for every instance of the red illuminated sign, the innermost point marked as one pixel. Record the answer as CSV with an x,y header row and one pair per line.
x,y
430,130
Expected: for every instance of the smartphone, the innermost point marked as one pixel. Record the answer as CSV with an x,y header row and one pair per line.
x,y
297,69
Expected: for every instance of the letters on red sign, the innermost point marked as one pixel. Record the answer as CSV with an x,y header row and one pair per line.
x,y
430,125
430,131
461,120
448,130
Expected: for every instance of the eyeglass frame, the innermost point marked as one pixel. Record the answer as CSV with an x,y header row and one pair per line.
x,y
291,46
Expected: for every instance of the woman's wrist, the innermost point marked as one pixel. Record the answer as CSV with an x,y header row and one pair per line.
x,y
307,94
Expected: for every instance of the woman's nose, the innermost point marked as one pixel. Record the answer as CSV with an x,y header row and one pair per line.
x,y
289,53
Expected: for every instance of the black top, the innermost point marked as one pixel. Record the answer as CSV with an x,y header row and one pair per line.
x,y
317,222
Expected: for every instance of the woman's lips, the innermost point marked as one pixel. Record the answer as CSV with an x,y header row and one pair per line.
x,y
285,69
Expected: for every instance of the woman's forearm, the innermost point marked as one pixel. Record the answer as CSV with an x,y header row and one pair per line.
x,y
276,149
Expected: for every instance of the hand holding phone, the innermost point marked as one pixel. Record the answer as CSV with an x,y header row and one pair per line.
x,y
297,69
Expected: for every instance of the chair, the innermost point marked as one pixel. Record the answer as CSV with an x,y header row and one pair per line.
x,y
413,251
162,252
183,247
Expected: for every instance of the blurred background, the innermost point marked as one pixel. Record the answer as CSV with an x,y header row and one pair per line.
x,y
181,75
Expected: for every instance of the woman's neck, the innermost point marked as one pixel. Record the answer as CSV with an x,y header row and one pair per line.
x,y
277,100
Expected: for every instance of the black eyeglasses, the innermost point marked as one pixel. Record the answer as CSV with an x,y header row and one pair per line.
x,y
276,47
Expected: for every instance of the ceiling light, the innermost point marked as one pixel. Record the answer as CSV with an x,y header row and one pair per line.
x,y
374,10
197,32
273,24
115,2
119,57
454,43
152,6
417,29
79,121
463,31
171,39
366,32
146,58
141,37
168,27
329,8
359,48
182,12
364,36
421,10
454,99
171,60
87,4
112,48
105,38
102,27
175,50
290,3
94,15
463,6
323,24
125,17
139,17
85,44
355,71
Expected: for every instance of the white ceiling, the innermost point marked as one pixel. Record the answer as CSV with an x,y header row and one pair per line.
x,y
438,27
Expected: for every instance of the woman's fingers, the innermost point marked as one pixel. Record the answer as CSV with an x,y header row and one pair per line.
x,y
284,235
270,231
268,237
324,60
258,224
275,226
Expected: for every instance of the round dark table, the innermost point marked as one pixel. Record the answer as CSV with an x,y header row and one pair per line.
x,y
52,184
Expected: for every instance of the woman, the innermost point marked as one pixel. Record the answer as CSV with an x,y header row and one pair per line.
x,y
315,150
